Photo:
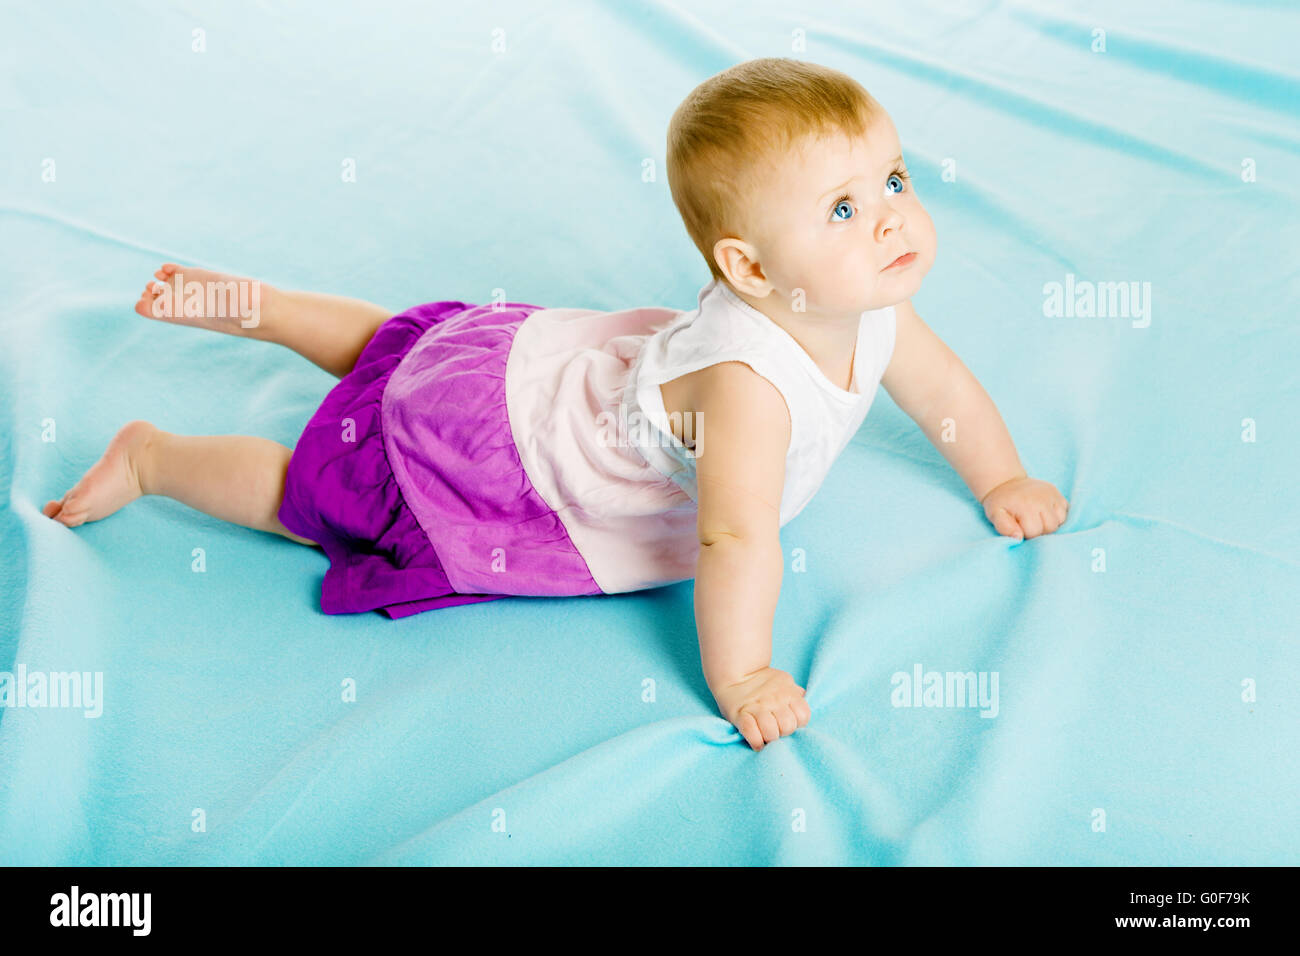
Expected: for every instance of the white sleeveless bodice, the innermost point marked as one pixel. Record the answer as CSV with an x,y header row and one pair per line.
x,y
725,328
588,420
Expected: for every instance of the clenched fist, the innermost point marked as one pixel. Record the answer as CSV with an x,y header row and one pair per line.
x,y
763,706
1025,508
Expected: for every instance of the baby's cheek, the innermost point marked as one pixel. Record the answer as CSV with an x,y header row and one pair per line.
x,y
853,284
929,236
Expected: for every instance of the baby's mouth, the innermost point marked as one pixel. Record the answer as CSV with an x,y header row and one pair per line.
x,y
906,259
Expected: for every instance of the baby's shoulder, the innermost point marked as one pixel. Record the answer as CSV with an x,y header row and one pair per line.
x,y
735,400
732,390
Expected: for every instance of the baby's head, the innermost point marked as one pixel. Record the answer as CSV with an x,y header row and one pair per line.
x,y
788,176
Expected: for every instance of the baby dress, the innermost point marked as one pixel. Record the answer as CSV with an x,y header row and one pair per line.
x,y
481,451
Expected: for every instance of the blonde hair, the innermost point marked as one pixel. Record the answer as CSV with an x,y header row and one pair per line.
x,y
729,131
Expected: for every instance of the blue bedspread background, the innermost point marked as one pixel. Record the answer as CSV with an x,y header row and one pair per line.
x,y
1147,712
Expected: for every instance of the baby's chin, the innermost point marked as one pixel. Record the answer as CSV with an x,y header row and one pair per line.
x,y
852,308
884,296
893,289
867,293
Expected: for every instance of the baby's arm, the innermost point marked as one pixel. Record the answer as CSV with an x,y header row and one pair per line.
x,y
932,385
743,435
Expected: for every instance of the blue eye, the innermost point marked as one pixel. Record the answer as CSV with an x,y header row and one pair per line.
x,y
895,184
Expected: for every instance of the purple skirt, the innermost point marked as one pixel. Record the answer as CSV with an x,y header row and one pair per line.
x,y
408,477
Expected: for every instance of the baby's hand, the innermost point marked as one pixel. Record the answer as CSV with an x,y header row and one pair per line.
x,y
1025,508
763,706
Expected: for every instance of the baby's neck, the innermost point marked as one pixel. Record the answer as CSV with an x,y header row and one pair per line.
x,y
829,340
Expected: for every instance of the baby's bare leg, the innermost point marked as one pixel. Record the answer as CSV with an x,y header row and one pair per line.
x,y
327,330
237,478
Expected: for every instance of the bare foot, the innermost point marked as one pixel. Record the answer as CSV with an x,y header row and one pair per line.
x,y
207,300
111,483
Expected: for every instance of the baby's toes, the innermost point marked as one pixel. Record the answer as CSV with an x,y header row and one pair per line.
x,y
166,271
60,512
144,305
75,511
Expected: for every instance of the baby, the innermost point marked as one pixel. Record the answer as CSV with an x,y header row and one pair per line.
x,y
465,453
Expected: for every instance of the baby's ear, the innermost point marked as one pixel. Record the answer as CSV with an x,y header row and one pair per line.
x,y
740,270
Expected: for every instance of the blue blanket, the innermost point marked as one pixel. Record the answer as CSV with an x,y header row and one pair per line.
x,y
1133,675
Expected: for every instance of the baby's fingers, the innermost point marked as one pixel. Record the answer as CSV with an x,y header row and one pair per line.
x,y
767,723
1005,524
758,727
747,724
1051,519
778,715
786,720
